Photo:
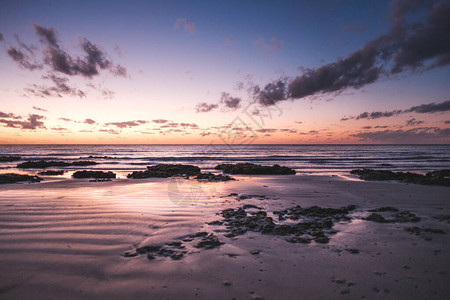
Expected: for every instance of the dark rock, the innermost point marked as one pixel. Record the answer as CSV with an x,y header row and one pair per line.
x,y
12,178
93,174
209,242
9,158
100,180
400,217
434,230
443,218
248,168
215,223
431,178
213,178
166,170
384,208
352,251
41,164
52,172
232,194
376,218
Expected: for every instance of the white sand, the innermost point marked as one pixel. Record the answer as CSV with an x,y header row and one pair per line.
x,y
65,239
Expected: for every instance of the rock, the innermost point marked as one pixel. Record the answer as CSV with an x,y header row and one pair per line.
x,y
226,283
431,178
212,177
12,178
376,218
248,168
41,164
166,170
52,172
352,251
9,158
232,194
384,208
414,230
209,242
93,174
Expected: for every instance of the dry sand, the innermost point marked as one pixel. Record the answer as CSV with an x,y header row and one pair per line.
x,y
66,239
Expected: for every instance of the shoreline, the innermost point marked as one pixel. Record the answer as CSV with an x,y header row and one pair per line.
x,y
68,239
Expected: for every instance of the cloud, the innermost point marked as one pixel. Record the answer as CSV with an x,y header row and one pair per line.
x,y
189,125
160,121
89,121
58,128
415,46
110,131
430,108
263,130
205,107
33,122
22,59
367,127
420,109
65,119
169,125
415,135
40,109
230,102
273,45
9,115
447,122
127,124
413,122
56,60
187,26
288,130
1,37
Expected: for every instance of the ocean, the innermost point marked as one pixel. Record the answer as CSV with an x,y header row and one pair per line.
x,y
305,159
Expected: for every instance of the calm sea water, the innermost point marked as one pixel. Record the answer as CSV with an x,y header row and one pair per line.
x,y
310,159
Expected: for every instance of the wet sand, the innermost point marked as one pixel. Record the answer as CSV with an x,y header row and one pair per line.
x,y
67,239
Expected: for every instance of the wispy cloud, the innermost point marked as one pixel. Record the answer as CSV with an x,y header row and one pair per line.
x,y
416,135
273,45
205,107
127,124
420,109
188,27
33,122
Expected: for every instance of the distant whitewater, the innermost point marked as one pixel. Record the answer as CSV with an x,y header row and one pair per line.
x,y
307,159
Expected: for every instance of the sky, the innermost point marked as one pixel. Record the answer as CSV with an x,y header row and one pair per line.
x,y
235,72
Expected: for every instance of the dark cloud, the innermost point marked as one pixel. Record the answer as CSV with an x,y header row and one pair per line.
x,y
33,122
205,107
430,108
22,59
381,126
89,121
230,102
412,44
127,124
264,130
57,60
413,122
272,92
377,114
160,121
9,115
288,130
420,109
367,127
416,135
40,109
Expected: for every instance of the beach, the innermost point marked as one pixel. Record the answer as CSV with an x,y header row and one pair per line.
x,y
72,239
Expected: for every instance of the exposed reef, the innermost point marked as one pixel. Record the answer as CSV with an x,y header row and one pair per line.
x,y
93,174
166,170
431,178
248,168
13,178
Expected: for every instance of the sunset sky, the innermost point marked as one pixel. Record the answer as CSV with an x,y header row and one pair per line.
x,y
300,72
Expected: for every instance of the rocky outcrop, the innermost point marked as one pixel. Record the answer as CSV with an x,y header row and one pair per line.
x,y
42,164
93,174
52,172
252,169
9,158
431,178
213,178
166,170
12,178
